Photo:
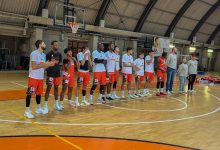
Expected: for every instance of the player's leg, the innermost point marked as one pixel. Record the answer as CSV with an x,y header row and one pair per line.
x,y
30,92
84,83
94,86
129,80
117,74
124,80
79,84
39,92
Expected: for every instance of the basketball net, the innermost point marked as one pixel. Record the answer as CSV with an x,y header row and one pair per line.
x,y
74,26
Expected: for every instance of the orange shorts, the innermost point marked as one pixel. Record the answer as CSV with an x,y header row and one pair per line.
x,y
83,77
161,76
53,81
149,76
99,78
111,77
127,77
68,80
117,75
139,78
35,86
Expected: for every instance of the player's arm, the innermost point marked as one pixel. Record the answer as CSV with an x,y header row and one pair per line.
x,y
66,64
40,65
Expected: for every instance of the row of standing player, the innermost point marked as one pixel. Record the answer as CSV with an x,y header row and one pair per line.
x,y
106,73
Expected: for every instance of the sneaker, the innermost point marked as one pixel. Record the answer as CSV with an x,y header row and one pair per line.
x,y
29,115
162,94
122,96
189,91
109,98
45,110
157,94
103,100
84,103
74,104
39,111
62,106
145,93
99,101
57,107
130,97
135,96
140,95
116,97
169,93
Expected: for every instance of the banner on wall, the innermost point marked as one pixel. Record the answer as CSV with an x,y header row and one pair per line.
x,y
161,45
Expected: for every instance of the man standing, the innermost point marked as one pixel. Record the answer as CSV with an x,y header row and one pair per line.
x,y
53,75
171,70
100,74
83,79
36,76
117,73
127,65
149,71
111,57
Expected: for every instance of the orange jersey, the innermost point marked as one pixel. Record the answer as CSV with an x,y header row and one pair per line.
x,y
162,65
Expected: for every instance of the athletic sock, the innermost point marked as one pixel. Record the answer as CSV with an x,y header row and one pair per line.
x,y
28,109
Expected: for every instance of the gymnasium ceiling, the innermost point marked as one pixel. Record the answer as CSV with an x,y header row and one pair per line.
x,y
186,18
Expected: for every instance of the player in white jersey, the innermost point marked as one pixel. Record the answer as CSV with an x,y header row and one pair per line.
x,y
111,56
100,74
139,74
36,76
149,71
127,65
117,73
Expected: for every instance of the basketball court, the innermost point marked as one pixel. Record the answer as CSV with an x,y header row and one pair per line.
x,y
177,122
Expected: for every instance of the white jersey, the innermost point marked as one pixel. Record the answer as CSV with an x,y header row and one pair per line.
x,y
149,67
128,59
80,56
37,57
111,57
117,61
99,67
139,63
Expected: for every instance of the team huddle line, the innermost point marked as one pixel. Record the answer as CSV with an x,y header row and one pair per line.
x,y
106,73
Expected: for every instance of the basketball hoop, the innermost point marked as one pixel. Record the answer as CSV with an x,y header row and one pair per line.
x,y
74,26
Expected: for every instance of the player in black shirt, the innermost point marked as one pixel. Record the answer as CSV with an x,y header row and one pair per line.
x,y
53,75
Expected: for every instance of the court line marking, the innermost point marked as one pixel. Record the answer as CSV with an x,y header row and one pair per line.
x,y
45,129
151,110
121,123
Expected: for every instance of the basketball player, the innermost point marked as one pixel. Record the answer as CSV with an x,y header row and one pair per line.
x,y
111,56
36,76
83,78
100,74
139,74
68,77
117,73
127,65
161,75
53,75
149,71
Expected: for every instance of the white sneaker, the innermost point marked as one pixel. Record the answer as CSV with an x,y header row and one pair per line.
x,y
135,96
57,107
45,110
140,95
99,101
189,91
39,111
169,93
122,96
84,103
29,115
114,96
130,97
75,104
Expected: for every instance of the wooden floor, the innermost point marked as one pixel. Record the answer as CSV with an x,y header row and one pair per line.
x,y
182,120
